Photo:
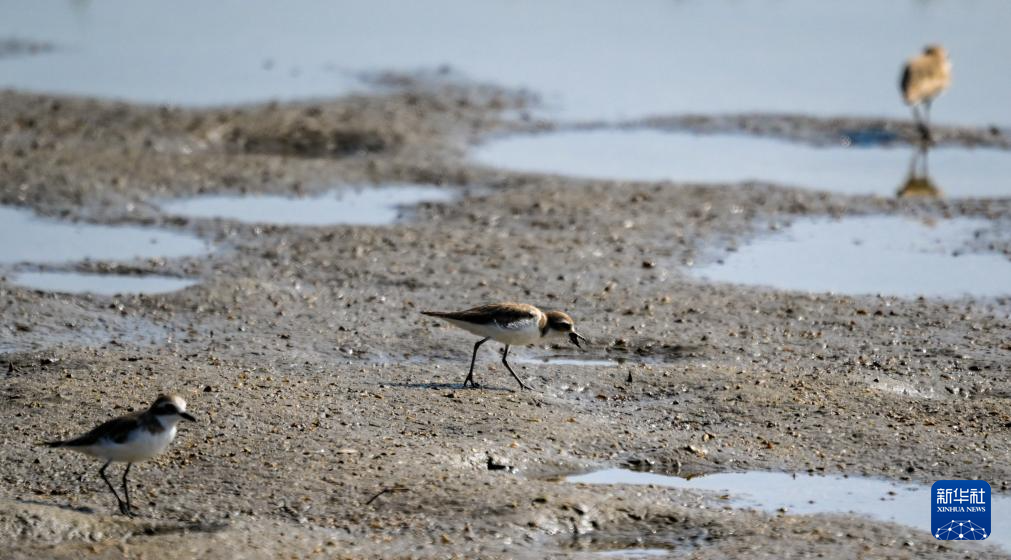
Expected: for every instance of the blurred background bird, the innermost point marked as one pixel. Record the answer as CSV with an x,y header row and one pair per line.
x,y
923,78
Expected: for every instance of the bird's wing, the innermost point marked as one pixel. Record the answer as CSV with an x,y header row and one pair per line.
x,y
502,314
517,323
117,430
907,75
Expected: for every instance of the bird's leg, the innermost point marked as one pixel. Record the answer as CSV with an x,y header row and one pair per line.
x,y
918,120
101,472
927,136
126,490
504,362
470,374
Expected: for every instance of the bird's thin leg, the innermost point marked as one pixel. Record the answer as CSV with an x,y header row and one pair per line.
x,y
504,362
126,490
101,472
927,136
470,374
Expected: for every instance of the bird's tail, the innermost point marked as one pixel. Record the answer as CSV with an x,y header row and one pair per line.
x,y
57,443
435,313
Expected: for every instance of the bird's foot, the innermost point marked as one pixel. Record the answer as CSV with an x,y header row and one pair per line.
x,y
125,509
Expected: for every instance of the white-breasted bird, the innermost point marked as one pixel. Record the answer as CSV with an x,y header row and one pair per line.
x,y
130,439
511,324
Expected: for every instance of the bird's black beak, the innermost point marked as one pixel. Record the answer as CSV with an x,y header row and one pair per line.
x,y
576,337
187,416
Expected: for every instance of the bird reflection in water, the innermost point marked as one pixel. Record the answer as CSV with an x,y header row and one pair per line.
x,y
918,183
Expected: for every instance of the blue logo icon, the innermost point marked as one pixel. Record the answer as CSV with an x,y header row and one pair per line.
x,y
960,510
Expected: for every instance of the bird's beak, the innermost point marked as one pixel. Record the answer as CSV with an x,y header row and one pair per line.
x,y
576,337
187,416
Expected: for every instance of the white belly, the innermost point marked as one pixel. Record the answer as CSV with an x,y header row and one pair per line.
x,y
518,334
142,446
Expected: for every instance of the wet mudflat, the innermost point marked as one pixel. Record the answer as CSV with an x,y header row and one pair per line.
x,y
289,350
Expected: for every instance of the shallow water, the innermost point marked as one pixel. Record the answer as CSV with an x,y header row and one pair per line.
x,y
903,503
651,155
588,58
29,238
888,255
353,206
99,284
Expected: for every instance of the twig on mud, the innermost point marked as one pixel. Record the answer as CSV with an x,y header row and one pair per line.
x,y
388,490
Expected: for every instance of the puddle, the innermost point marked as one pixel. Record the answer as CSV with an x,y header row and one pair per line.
x,y
588,58
651,155
903,503
886,255
42,240
98,284
354,206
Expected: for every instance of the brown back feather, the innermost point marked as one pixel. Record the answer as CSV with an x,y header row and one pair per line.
x,y
495,312
117,430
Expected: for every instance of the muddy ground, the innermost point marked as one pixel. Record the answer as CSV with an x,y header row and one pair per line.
x,y
317,384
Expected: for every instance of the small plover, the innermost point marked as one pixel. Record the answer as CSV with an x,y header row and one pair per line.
x,y
924,77
511,324
130,439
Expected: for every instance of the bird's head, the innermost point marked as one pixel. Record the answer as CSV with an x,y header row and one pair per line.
x,y
170,409
935,50
560,324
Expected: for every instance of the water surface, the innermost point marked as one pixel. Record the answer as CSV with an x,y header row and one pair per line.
x,y
30,238
652,155
587,58
352,206
885,500
888,255
99,284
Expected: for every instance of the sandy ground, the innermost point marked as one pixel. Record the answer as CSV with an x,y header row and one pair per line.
x,y
317,384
